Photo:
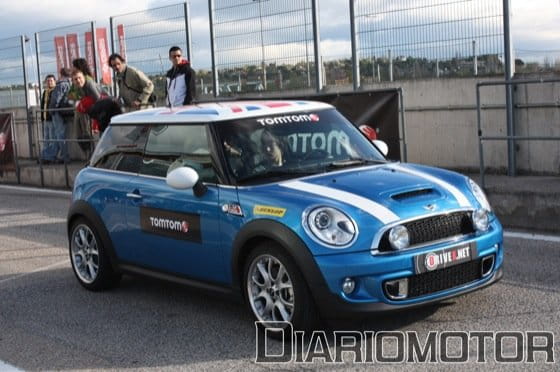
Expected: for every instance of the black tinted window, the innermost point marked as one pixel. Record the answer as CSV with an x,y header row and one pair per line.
x,y
173,146
121,148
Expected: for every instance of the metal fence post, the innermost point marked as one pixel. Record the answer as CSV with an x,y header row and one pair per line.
x,y
188,32
94,44
403,137
479,133
354,39
509,90
26,94
113,50
37,53
390,65
317,45
213,48
475,58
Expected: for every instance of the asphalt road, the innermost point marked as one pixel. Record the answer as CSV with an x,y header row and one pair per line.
x,y
49,322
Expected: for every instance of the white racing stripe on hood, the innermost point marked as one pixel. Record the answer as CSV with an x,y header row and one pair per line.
x,y
377,210
461,198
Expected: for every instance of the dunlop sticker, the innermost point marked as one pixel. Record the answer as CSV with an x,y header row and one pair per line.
x,y
268,210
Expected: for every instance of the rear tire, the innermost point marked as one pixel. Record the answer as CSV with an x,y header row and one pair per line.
x,y
276,290
89,257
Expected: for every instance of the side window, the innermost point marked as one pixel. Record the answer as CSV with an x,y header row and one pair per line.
x,y
121,148
173,146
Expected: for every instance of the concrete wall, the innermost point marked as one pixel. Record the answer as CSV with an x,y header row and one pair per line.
x,y
442,124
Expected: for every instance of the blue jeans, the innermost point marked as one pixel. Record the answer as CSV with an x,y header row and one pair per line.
x,y
60,125
48,134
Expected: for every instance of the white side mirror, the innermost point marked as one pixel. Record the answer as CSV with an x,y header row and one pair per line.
x,y
182,178
382,146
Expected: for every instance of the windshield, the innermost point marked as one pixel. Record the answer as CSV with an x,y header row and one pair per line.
x,y
282,146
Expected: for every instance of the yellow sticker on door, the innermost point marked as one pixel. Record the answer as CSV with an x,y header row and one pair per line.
x,y
268,210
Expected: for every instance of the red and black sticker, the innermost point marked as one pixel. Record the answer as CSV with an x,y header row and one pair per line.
x,y
181,226
444,258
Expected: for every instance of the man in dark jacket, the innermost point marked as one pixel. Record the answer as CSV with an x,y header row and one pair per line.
x,y
181,85
46,117
62,118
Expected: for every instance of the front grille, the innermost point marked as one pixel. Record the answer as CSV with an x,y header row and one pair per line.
x,y
433,228
439,280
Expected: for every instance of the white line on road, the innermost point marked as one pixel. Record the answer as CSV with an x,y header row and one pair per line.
x,y
531,236
35,189
33,272
5,367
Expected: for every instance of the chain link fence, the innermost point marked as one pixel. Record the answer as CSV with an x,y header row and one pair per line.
x,y
263,45
57,48
144,38
428,38
12,92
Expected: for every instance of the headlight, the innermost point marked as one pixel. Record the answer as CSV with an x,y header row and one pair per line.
x,y
480,219
398,237
331,226
480,195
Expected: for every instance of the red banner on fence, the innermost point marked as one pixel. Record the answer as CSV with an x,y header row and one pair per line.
x,y
89,50
122,42
7,157
102,48
60,49
73,46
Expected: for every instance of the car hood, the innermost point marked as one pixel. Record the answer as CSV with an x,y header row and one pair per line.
x,y
388,192
373,196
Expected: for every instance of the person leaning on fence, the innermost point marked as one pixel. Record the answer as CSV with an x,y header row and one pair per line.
x,y
91,92
81,120
62,115
181,87
135,89
46,117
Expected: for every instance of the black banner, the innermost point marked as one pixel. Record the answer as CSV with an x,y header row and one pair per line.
x,y
182,226
377,109
7,158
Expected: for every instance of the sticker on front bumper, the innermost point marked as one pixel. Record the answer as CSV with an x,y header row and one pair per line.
x,y
445,258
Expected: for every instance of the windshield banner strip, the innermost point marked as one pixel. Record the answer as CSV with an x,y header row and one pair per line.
x,y
377,210
461,199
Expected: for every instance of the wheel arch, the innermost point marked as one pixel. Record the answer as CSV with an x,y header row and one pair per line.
x,y
81,209
261,230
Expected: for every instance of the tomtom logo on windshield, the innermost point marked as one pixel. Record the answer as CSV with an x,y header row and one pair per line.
x,y
288,119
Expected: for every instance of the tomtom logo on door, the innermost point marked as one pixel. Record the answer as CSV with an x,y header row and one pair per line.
x,y
183,226
286,119
164,223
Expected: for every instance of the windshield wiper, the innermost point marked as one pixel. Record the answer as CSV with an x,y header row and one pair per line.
x,y
352,162
275,173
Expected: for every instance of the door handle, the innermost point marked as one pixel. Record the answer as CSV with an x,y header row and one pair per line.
x,y
134,195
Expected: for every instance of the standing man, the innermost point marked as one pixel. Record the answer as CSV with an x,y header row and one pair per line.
x,y
46,117
135,89
62,116
181,88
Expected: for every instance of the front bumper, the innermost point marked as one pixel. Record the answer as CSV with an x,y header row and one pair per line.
x,y
371,272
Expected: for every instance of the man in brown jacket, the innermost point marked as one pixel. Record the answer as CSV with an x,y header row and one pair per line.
x,y
135,89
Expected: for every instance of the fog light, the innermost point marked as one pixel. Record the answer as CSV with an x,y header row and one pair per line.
x,y
398,237
397,289
348,285
480,219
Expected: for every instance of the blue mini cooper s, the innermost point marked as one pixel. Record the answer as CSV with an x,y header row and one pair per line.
x,y
284,202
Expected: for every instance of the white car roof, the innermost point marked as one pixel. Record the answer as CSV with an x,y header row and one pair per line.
x,y
216,111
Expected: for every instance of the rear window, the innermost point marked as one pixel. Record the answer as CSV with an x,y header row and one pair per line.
x,y
121,148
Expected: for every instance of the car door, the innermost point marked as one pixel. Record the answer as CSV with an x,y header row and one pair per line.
x,y
173,230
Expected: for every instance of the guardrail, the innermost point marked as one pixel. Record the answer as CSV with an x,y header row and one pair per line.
x,y
509,138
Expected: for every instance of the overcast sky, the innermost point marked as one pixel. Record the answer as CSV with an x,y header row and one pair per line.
x,y
535,23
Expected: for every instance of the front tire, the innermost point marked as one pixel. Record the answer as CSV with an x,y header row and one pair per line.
x,y
276,290
89,258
